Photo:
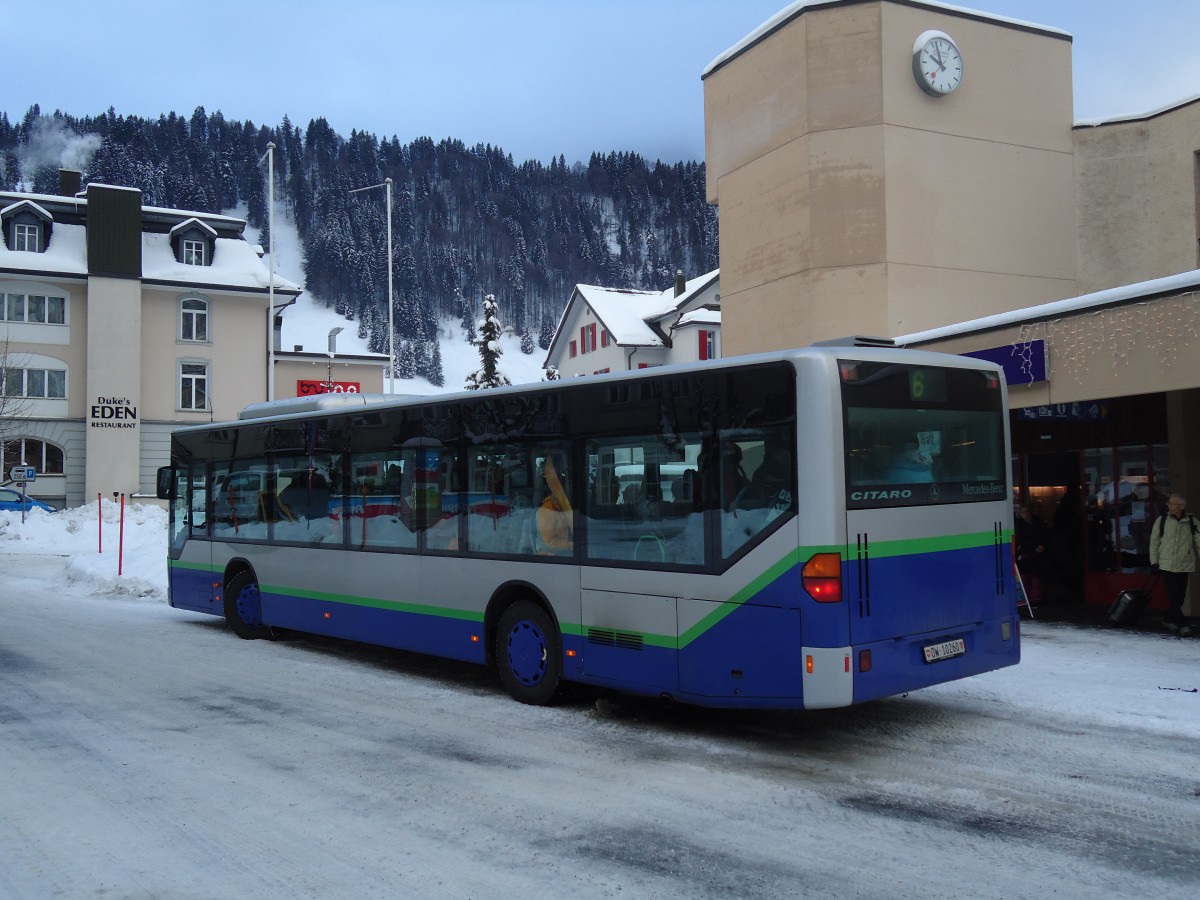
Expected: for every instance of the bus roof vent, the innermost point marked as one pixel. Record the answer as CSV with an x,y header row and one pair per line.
x,y
856,340
315,403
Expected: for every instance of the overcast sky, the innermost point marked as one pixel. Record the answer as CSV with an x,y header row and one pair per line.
x,y
535,77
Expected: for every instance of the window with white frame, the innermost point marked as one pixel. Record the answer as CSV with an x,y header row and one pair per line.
x,y
194,253
34,383
14,307
27,237
193,319
193,386
44,309
42,455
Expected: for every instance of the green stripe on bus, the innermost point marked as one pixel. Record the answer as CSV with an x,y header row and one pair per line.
x,y
722,609
192,566
918,546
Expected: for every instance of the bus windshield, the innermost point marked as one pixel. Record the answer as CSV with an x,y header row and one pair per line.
x,y
920,435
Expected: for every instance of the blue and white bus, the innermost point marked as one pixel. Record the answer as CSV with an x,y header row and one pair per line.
x,y
803,529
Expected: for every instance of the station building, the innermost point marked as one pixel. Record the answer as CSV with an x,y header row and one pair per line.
x,y
913,170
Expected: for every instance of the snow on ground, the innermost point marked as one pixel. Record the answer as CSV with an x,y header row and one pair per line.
x,y
1143,678
98,545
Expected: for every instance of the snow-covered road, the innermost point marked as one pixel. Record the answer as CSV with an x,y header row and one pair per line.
x,y
147,752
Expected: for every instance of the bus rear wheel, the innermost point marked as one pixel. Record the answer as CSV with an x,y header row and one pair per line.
x,y
528,653
243,607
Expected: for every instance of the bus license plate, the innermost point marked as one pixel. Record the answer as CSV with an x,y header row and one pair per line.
x,y
945,650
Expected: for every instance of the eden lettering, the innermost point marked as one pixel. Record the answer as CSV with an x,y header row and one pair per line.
x,y
114,412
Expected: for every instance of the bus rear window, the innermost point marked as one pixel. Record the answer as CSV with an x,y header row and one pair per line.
x,y
922,435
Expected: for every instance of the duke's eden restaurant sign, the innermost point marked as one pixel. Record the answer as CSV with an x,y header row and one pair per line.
x,y
113,412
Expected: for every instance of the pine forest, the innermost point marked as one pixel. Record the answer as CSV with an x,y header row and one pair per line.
x,y
466,221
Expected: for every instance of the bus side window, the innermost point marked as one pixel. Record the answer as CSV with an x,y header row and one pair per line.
x,y
378,512
643,507
442,521
758,483
197,490
500,507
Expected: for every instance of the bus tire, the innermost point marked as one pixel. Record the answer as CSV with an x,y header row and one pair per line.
x,y
243,608
528,653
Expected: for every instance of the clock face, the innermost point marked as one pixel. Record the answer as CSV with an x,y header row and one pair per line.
x,y
937,63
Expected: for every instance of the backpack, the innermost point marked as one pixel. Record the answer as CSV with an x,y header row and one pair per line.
x,y
1162,524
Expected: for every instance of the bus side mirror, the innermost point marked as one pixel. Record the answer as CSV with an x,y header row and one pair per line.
x,y
165,483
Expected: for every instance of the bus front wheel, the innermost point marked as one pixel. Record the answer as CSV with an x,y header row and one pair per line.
x,y
528,654
243,607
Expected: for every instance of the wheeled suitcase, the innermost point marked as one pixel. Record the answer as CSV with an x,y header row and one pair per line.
x,y
1128,608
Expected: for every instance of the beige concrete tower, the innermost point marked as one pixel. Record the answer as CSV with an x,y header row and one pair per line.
x,y
852,201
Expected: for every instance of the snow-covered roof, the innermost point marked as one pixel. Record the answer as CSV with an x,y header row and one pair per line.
x,y
193,222
1136,117
235,264
211,217
39,210
699,317
790,12
691,289
1145,290
65,253
623,313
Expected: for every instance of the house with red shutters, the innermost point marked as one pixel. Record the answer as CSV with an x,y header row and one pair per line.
x,y
614,330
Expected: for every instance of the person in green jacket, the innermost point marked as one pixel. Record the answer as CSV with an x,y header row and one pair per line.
x,y
1174,546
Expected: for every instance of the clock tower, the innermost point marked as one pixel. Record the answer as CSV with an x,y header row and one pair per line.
x,y
888,166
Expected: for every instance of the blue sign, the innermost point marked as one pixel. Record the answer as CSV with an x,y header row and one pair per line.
x,y
1023,362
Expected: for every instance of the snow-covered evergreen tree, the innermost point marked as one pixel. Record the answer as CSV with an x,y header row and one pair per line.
x,y
526,343
552,374
546,335
436,376
490,329
406,364
468,318
421,357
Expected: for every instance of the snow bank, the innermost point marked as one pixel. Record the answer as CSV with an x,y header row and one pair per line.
x,y
92,540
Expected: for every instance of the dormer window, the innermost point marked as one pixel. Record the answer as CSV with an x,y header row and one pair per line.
x,y
193,242
27,226
193,253
27,237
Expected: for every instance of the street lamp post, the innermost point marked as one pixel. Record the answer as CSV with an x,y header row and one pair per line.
x,y
270,157
391,369
333,333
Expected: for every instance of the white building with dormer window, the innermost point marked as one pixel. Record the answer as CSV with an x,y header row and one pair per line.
x,y
119,323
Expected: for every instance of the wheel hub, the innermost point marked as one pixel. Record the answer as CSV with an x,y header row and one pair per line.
x,y
527,653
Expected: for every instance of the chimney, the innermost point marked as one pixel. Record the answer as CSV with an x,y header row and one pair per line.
x,y
680,282
114,231
69,182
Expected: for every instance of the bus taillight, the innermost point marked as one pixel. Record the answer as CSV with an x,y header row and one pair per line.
x,y
822,577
